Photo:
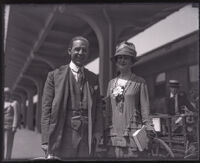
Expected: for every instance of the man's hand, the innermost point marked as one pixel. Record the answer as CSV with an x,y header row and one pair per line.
x,y
14,129
98,137
45,148
97,141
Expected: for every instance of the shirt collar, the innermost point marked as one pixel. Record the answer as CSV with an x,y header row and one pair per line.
x,y
74,67
173,95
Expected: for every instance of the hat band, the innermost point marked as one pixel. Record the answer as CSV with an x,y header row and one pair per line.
x,y
125,51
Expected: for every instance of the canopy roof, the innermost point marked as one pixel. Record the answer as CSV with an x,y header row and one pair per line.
x,y
38,35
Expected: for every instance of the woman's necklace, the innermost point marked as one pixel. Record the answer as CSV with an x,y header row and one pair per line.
x,y
119,92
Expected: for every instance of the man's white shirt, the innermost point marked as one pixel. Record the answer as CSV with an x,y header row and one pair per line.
x,y
75,69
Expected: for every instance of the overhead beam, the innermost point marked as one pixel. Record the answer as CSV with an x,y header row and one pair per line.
x,y
27,19
49,63
24,31
18,51
47,27
16,59
53,44
17,41
55,35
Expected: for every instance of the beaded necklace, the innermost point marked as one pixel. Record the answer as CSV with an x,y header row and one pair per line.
x,y
120,97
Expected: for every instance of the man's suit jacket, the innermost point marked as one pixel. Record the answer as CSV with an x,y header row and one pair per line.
x,y
182,101
54,106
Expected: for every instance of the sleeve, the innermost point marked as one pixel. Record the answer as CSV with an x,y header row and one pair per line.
x,y
47,99
188,104
145,106
16,114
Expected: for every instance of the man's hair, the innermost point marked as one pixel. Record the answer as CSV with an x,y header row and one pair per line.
x,y
78,38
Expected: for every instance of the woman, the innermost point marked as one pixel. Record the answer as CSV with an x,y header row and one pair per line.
x,y
10,123
127,105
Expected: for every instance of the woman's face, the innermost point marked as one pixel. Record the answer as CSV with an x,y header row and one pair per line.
x,y
124,62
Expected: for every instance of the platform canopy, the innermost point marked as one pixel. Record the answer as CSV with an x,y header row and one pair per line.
x,y
38,34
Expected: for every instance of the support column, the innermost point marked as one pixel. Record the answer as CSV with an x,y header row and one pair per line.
x,y
39,105
39,85
23,110
106,52
30,112
17,97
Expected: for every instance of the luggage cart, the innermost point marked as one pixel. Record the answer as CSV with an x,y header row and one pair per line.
x,y
177,131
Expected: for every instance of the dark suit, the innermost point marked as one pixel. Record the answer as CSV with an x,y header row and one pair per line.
x,y
55,104
182,101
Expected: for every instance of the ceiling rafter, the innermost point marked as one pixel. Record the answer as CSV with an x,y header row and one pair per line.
x,y
16,50
24,31
47,27
132,18
22,43
53,45
16,60
33,22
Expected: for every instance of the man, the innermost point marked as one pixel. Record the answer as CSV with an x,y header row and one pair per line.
x,y
178,104
10,122
177,101
71,111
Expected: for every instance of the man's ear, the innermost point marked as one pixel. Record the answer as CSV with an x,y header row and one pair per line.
x,y
69,51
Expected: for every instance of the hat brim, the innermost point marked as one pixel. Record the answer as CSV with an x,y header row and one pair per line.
x,y
113,58
174,85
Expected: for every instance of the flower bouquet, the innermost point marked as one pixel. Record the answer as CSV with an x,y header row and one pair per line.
x,y
118,94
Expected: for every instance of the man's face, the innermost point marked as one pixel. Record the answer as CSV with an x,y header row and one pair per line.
x,y
173,90
79,52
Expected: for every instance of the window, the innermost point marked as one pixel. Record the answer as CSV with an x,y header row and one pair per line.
x,y
160,85
193,73
194,84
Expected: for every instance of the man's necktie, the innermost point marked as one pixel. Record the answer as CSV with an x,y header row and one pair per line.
x,y
80,76
176,104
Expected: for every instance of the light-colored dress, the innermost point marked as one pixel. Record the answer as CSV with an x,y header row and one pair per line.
x,y
10,121
124,118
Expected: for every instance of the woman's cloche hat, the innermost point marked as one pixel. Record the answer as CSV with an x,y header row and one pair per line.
x,y
125,48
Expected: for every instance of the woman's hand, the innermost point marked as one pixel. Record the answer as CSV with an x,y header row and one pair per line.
x,y
151,133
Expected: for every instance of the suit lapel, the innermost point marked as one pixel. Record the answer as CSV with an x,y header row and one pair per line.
x,y
61,86
88,80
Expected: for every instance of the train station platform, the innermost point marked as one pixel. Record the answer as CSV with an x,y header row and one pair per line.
x,y
27,145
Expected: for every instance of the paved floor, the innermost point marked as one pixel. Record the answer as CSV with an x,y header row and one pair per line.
x,y
27,145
